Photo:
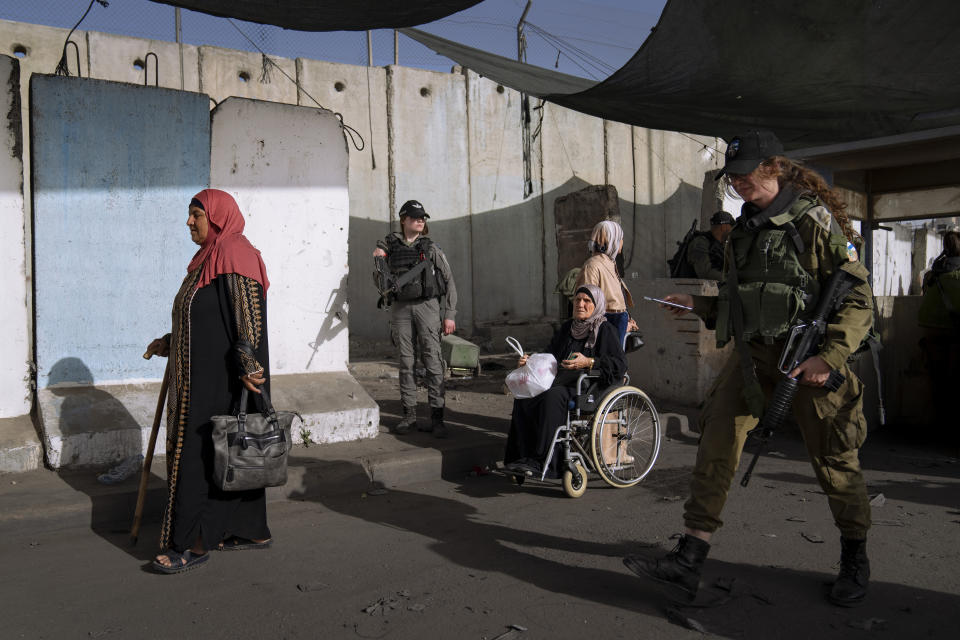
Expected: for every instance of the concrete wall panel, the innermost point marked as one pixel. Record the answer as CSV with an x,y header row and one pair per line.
x,y
892,261
125,59
927,203
115,166
287,168
359,94
41,47
225,73
14,322
427,112
572,157
506,227
669,171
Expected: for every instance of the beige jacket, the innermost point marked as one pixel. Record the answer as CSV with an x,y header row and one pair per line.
x,y
599,270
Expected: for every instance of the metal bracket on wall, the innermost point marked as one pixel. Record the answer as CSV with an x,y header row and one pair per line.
x,y
146,69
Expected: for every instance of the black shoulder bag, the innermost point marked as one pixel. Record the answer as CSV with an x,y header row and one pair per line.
x,y
250,450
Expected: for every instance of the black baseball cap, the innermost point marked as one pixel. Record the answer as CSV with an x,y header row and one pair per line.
x,y
721,217
746,151
413,209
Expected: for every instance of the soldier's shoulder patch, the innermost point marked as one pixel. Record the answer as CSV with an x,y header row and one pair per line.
x,y
821,216
852,254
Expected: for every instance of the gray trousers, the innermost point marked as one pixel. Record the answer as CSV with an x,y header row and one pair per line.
x,y
420,319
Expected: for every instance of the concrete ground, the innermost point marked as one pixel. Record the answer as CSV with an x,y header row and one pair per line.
x,y
446,551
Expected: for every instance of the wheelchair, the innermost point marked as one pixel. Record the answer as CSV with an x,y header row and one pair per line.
x,y
612,432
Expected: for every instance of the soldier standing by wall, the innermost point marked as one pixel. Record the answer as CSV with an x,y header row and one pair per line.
x,y
939,319
780,255
705,253
421,310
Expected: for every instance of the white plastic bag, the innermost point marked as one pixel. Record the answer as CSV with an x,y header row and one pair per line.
x,y
533,378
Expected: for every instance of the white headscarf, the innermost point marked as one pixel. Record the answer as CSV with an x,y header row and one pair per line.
x,y
613,235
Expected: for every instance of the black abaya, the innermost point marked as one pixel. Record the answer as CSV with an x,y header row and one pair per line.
x,y
535,420
230,307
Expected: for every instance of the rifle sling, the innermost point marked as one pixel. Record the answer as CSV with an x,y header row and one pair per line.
x,y
410,275
402,281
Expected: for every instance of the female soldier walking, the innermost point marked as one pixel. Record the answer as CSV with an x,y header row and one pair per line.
x,y
423,308
790,239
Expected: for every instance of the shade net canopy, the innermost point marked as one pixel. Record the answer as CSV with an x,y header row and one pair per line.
x,y
815,72
328,15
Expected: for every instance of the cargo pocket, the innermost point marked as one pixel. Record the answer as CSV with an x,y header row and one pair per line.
x,y
842,414
779,305
751,297
393,336
723,326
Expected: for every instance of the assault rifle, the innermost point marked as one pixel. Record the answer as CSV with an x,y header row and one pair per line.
x,y
388,285
803,342
678,263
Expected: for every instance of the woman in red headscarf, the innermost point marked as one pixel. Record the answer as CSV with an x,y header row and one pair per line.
x,y
222,303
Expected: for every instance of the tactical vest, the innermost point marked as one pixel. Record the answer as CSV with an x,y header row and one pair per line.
x,y
777,284
401,258
716,251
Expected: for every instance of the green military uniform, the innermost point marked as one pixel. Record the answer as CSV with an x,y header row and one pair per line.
x,y
940,306
939,320
779,282
705,256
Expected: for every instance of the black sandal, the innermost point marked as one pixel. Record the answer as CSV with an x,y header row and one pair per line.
x,y
236,543
180,562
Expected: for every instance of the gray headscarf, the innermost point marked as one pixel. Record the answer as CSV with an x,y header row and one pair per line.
x,y
590,327
613,234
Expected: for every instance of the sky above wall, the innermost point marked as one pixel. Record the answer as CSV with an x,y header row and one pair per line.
x,y
590,39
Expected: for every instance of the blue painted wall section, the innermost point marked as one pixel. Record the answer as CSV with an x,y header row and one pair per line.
x,y
114,168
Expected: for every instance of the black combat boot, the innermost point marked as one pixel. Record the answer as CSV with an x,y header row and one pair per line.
x,y
409,421
680,568
850,589
436,423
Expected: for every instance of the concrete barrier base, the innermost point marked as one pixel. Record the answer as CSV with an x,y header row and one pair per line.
x,y
20,448
99,425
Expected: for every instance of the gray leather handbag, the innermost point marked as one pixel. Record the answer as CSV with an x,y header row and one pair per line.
x,y
251,449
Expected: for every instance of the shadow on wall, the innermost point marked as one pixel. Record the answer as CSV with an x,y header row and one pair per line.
x,y
506,253
335,321
90,417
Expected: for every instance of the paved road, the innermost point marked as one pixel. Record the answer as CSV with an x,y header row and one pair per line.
x,y
465,557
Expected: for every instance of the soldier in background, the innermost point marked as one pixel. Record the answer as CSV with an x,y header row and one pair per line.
x,y
705,253
939,320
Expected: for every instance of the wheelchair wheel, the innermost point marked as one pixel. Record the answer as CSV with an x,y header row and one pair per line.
x,y
625,437
575,482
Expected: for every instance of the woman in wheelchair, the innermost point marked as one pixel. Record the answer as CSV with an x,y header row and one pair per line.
x,y
586,343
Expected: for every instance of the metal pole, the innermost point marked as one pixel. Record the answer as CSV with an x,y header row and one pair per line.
x,y
179,44
525,109
396,47
520,47
867,231
369,49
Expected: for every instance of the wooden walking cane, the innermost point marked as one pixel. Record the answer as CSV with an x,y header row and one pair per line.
x,y
148,459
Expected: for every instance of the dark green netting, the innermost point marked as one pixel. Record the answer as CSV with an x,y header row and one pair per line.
x,y
815,72
325,15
